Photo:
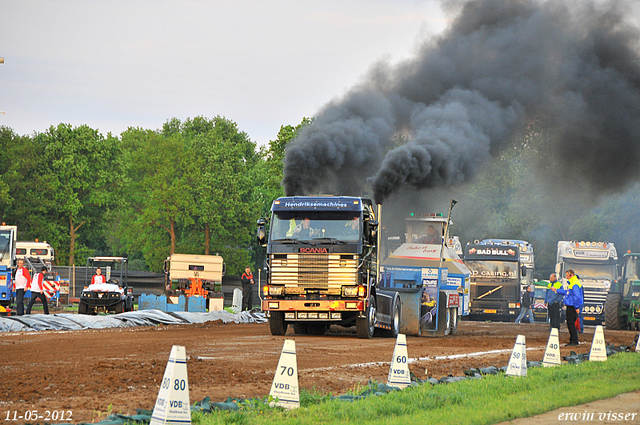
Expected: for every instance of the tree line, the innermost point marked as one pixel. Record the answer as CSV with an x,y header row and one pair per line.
x,y
197,186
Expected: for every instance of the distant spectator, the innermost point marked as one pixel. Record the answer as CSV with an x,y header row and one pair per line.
x,y
573,299
37,291
553,301
525,306
247,289
21,282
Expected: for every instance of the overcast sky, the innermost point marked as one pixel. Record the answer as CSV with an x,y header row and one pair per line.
x,y
263,64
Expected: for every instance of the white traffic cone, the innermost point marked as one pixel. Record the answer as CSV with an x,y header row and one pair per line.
x,y
285,382
638,344
399,371
518,361
552,353
172,405
598,351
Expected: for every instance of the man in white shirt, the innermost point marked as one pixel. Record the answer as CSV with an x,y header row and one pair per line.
x,y
21,282
37,291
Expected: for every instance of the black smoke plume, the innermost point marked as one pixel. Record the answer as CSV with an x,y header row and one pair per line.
x,y
432,120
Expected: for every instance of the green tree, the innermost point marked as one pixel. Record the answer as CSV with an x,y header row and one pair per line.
x,y
83,172
160,170
226,158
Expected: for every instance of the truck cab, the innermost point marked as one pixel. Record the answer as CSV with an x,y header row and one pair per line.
x,y
496,279
321,267
8,236
595,264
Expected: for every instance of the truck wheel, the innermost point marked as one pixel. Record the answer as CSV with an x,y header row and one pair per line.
x,y
119,308
396,317
366,326
612,318
317,328
82,308
277,325
300,328
443,318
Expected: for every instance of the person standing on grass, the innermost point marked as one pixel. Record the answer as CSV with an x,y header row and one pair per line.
x,y
573,300
21,282
553,301
525,306
37,291
247,289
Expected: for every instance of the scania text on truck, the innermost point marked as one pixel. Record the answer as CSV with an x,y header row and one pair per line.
x,y
322,254
497,276
622,307
595,265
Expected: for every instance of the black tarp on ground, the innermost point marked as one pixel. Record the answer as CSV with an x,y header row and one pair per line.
x,y
71,322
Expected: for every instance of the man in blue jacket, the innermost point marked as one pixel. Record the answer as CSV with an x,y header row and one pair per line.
x,y
553,301
573,301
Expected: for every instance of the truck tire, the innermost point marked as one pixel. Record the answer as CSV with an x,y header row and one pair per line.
x,y
277,325
317,328
82,308
119,308
443,315
396,318
612,318
300,328
366,326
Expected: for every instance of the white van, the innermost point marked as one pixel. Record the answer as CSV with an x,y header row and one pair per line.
x,y
40,250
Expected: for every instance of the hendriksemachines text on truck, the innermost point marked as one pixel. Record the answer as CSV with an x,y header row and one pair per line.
x,y
429,276
8,235
497,277
595,264
622,306
115,295
322,267
322,264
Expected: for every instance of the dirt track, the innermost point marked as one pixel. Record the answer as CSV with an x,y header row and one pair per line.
x,y
86,371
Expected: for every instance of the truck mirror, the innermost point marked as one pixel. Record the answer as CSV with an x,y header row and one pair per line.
x,y
261,234
371,231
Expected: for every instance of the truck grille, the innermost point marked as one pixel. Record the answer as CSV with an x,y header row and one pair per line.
x,y
314,271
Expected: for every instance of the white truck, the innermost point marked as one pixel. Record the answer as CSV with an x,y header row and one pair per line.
x,y
595,265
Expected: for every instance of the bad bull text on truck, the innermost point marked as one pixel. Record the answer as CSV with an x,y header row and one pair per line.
x,y
323,267
500,270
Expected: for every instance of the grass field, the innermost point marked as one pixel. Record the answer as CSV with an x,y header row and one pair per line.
x,y
490,400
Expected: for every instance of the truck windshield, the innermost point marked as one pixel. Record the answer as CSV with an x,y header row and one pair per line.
x,y
631,268
5,243
592,271
316,225
493,269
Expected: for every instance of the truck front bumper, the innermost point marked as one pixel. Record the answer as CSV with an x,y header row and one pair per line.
x,y
313,306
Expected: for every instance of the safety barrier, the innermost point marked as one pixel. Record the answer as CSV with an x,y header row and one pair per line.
x,y
181,303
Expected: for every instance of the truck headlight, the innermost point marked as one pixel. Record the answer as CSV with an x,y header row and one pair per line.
x,y
276,290
350,291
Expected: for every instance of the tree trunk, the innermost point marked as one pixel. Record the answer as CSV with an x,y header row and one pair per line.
x,y
207,239
172,232
72,243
